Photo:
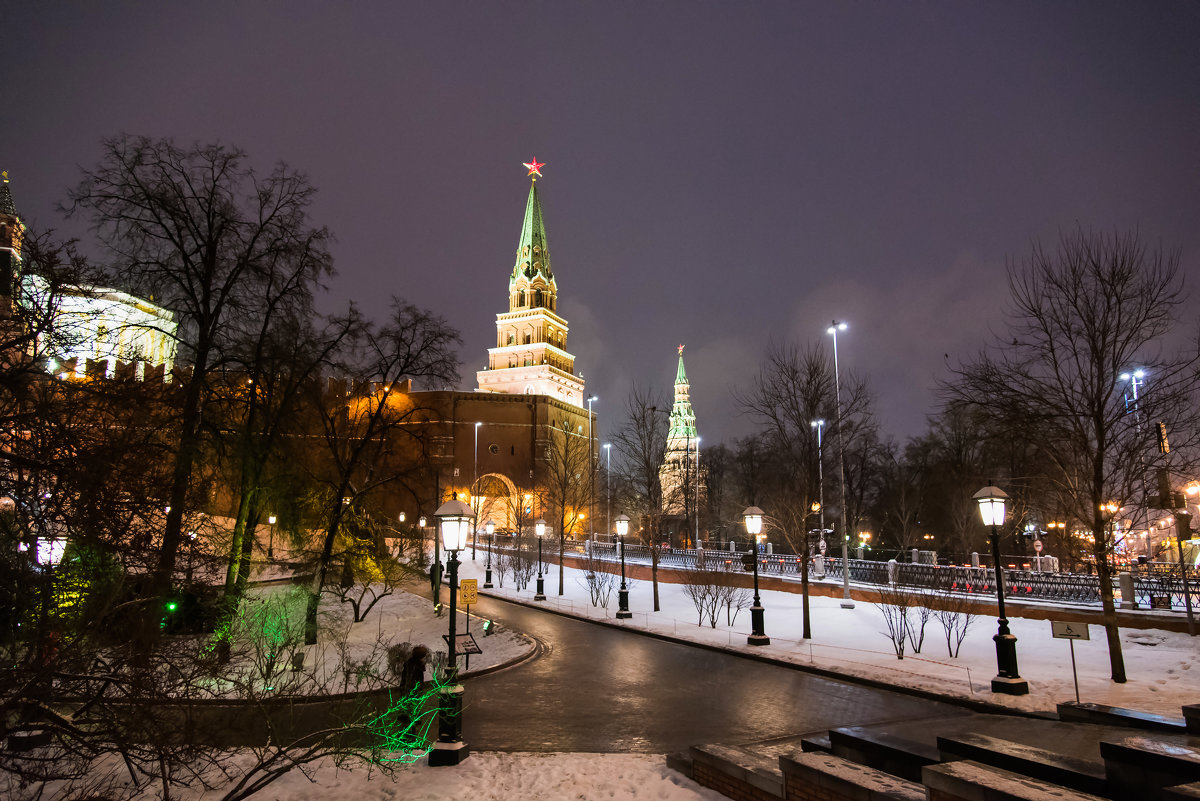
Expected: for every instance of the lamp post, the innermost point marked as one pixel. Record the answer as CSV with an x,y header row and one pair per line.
x,y
847,601
474,488
455,518
623,612
591,469
696,500
608,521
271,538
539,528
490,528
752,517
1007,680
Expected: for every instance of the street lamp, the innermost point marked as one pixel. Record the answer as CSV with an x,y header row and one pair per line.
x,y
752,517
490,528
1007,680
623,612
539,528
696,501
455,519
847,601
608,488
474,489
591,469
271,538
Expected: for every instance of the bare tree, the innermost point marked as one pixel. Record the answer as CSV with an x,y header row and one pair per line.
x,y
641,443
209,238
794,388
568,462
368,442
1080,314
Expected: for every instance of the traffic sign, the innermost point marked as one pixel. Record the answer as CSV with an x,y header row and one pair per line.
x,y
1037,545
468,591
1069,631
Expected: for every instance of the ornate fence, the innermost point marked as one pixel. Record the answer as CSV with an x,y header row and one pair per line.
x,y
1158,586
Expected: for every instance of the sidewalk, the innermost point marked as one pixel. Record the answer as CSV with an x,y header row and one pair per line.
x,y
853,642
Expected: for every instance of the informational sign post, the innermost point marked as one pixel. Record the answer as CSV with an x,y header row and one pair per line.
x,y
1072,632
468,592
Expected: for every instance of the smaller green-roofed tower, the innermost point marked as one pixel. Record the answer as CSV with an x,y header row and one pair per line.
x,y
681,474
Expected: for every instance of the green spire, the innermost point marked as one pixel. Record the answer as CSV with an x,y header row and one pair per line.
x,y
533,255
7,207
683,420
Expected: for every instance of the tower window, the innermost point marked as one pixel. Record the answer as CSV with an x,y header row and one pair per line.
x,y
510,338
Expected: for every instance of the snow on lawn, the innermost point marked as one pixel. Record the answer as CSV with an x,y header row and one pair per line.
x,y
1159,664
397,618
490,776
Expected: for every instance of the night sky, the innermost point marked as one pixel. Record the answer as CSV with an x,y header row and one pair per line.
x,y
717,174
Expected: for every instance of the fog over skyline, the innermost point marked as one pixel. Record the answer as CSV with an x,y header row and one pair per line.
x,y
718,175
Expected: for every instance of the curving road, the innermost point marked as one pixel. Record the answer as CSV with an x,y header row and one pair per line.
x,y
600,689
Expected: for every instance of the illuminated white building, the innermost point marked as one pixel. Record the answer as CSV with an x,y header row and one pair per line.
x,y
100,332
83,331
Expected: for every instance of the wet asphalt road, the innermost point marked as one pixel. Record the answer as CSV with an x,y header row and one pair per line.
x,y
600,689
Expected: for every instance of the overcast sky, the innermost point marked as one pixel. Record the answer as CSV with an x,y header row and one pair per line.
x,y
717,174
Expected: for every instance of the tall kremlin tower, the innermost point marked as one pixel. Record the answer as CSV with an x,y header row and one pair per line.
x,y
530,357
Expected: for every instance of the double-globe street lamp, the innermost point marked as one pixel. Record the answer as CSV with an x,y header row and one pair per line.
x,y
539,528
623,612
752,517
1008,680
455,519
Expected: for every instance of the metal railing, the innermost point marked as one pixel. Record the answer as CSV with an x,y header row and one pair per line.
x,y
1158,586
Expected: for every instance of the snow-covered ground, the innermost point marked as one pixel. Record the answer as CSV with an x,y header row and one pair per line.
x,y
496,777
853,642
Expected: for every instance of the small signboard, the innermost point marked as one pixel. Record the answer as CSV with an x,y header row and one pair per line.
x,y
464,644
1069,631
468,591
1037,545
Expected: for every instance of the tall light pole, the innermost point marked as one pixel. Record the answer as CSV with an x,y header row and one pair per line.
x,y
623,612
847,601
271,538
454,519
608,489
1137,378
752,517
591,468
1008,680
474,486
696,500
539,528
490,528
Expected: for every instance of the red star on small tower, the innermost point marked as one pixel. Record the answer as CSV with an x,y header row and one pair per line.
x,y
681,350
535,168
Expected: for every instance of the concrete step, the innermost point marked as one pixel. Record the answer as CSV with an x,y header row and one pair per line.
x,y
1084,775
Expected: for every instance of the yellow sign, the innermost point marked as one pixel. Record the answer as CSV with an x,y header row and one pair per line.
x,y
468,591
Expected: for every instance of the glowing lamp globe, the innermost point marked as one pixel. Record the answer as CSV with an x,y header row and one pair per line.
x,y
622,522
752,517
991,505
454,518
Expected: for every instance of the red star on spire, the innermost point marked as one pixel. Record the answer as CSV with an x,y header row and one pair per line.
x,y
535,168
681,350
